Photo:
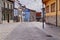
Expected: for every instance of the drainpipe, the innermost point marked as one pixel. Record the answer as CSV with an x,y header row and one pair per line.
x,y
56,13
4,10
8,14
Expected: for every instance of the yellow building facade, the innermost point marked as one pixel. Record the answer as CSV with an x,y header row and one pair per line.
x,y
51,10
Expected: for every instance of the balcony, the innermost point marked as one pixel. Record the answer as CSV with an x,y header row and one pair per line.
x,y
11,0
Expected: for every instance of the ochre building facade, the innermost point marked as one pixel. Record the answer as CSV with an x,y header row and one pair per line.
x,y
52,7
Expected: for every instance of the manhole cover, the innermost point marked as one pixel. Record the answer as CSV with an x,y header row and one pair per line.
x,y
49,36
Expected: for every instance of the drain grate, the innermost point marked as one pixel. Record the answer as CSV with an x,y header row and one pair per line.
x,y
49,36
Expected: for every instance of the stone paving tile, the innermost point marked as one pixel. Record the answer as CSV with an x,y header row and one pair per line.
x,y
24,31
5,29
27,32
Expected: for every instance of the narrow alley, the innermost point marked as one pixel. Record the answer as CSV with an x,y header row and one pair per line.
x,y
28,31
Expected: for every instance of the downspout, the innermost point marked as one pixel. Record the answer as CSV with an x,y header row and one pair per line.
x,y
56,13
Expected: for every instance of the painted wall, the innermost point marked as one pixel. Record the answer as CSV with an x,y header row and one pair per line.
x,y
49,3
58,13
51,16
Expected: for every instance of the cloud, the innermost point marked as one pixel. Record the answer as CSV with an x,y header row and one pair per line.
x,y
32,4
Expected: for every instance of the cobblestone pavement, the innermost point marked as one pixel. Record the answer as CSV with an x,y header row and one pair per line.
x,y
23,31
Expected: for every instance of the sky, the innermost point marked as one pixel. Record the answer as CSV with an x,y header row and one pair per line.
x,y
31,4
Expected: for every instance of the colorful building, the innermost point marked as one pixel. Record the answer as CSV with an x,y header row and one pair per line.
x,y
26,15
52,8
29,15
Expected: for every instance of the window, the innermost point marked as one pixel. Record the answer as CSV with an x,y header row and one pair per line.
x,y
4,4
59,4
11,6
47,9
53,7
8,5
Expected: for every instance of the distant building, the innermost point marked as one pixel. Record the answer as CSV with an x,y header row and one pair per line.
x,y
38,16
32,15
20,14
26,15
52,8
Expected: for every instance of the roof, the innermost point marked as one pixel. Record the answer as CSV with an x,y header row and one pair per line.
x,y
32,10
27,10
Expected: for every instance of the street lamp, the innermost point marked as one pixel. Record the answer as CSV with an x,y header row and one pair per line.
x,y
43,12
